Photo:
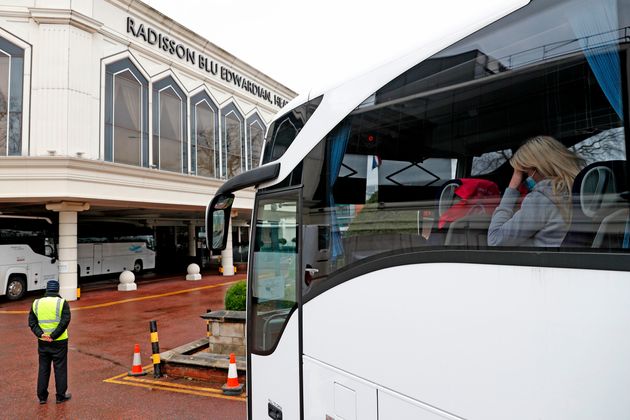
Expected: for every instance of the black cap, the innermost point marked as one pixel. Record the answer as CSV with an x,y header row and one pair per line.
x,y
52,286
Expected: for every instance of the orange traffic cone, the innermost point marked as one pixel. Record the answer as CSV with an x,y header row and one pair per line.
x,y
232,387
136,367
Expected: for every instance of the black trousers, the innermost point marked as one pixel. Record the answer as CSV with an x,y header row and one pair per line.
x,y
57,353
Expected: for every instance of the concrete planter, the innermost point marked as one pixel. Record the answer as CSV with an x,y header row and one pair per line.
x,y
227,332
208,358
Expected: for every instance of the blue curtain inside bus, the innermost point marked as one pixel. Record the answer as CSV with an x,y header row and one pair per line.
x,y
598,33
338,144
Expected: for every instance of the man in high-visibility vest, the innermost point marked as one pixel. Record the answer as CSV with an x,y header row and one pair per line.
x,y
49,319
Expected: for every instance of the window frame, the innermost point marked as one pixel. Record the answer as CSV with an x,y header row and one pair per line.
x,y
251,120
195,100
9,46
140,154
111,70
158,87
227,110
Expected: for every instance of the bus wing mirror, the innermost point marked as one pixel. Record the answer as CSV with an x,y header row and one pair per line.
x,y
218,221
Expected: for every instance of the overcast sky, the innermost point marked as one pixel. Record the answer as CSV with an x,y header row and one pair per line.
x,y
311,44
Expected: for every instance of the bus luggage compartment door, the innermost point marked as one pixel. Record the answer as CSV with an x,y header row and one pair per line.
x,y
34,275
97,265
330,393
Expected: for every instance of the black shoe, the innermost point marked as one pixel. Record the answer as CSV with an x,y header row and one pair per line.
x,y
64,398
42,401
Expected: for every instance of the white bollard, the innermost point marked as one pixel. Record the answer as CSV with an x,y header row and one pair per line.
x,y
127,280
193,272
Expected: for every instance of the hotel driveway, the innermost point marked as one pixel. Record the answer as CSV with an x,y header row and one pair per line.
x,y
105,326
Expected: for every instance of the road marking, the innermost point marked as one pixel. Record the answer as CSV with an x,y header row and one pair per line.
x,y
175,385
177,292
120,302
123,379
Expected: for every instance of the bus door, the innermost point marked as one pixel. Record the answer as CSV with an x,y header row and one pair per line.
x,y
274,332
97,261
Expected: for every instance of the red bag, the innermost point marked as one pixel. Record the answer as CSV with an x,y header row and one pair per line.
x,y
478,196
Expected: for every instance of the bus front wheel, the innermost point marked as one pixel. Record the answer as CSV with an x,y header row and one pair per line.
x,y
16,287
137,267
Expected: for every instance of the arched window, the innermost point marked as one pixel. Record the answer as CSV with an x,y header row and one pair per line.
x,y
233,144
170,148
255,139
126,116
204,125
11,95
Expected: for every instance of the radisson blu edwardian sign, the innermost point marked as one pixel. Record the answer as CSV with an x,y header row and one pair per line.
x,y
175,48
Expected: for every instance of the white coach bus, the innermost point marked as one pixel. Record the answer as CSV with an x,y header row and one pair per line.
x,y
27,255
114,257
109,248
367,302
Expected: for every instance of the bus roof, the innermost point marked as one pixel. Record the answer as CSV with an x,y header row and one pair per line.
x,y
8,216
340,100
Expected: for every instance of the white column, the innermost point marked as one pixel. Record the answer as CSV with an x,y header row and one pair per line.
x,y
67,248
192,241
227,258
68,255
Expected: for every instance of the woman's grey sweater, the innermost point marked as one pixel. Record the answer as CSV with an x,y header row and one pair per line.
x,y
538,223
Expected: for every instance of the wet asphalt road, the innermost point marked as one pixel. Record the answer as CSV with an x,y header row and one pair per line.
x,y
102,335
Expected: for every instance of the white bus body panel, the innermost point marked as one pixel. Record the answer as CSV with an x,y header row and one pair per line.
x,y
357,399
481,341
20,259
113,257
279,370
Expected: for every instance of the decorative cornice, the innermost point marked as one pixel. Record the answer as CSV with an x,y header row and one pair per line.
x,y
74,179
65,17
15,12
102,168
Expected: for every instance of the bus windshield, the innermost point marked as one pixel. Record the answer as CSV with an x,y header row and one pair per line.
x,y
37,233
285,129
101,232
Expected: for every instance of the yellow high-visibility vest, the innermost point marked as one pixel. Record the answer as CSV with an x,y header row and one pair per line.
x,y
48,312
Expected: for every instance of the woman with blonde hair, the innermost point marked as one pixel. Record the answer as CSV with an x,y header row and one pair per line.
x,y
547,168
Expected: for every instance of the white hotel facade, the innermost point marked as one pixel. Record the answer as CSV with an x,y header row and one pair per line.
x,y
111,111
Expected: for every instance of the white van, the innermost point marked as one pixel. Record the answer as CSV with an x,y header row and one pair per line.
x,y
27,255
114,257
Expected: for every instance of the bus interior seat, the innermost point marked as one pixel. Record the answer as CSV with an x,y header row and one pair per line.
x,y
614,231
471,229
447,197
595,195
